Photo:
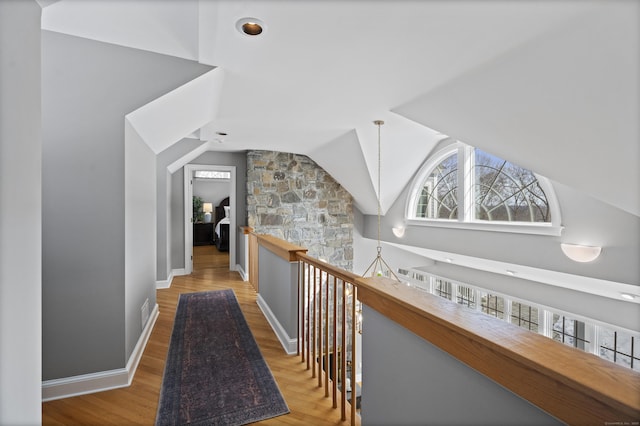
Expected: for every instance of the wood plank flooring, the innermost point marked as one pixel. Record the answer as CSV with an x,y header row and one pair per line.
x,y
138,403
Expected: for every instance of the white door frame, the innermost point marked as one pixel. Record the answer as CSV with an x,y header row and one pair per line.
x,y
189,170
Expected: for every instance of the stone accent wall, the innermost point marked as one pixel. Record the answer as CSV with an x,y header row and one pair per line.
x,y
289,196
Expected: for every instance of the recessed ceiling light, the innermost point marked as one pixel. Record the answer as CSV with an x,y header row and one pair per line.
x,y
250,26
627,296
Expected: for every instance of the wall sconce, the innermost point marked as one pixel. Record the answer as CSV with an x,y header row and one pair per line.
x,y
207,208
580,253
398,231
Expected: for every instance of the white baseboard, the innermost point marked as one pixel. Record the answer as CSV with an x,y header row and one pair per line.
x,y
243,274
167,283
104,380
164,283
290,345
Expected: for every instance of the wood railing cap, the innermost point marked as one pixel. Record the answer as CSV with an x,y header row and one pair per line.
x,y
280,247
245,229
335,271
572,385
595,378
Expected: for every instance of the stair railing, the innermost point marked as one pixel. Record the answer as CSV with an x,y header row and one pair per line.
x,y
328,327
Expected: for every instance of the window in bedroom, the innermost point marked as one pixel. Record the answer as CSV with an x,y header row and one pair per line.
x,y
464,186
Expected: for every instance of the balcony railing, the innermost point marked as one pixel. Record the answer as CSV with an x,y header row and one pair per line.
x,y
316,315
328,327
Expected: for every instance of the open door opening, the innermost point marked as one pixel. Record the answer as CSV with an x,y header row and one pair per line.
x,y
191,222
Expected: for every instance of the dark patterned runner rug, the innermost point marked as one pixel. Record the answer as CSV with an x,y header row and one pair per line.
x,y
215,373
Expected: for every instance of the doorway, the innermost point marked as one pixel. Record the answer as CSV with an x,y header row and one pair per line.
x,y
189,181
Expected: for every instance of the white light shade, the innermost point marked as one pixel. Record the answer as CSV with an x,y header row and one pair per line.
x,y
398,231
579,253
207,207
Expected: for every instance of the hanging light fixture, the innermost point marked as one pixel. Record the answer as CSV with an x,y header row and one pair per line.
x,y
379,267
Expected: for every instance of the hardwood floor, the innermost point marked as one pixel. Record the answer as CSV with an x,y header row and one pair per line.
x,y
137,404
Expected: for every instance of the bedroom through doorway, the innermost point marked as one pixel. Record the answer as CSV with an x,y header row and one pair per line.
x,y
209,216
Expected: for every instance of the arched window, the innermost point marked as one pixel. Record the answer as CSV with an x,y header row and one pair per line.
x,y
503,191
439,194
463,186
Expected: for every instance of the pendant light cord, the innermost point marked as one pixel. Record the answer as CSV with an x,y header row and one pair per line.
x,y
379,265
379,123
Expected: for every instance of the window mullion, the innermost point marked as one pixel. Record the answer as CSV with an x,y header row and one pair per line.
x,y
507,310
548,324
465,179
592,335
542,314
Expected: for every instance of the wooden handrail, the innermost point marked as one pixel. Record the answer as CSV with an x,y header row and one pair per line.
x,y
281,248
572,385
245,229
330,269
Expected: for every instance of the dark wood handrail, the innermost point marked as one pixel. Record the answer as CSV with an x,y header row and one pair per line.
x,y
572,385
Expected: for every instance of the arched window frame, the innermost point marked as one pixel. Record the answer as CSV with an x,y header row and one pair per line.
x,y
466,219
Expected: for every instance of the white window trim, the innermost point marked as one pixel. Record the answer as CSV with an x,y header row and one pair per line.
x,y
213,178
465,187
545,313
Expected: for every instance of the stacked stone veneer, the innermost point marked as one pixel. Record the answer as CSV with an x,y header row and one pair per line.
x,y
289,196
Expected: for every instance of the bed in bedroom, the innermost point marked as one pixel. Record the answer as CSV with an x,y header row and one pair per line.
x,y
223,220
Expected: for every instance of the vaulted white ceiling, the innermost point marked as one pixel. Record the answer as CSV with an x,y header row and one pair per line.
x,y
552,86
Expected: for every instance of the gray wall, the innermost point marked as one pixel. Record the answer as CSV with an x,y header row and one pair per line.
x,y
88,87
176,213
409,381
237,159
140,235
278,280
164,191
243,248
20,214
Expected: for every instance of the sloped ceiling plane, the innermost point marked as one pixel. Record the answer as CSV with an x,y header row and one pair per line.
x,y
542,84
